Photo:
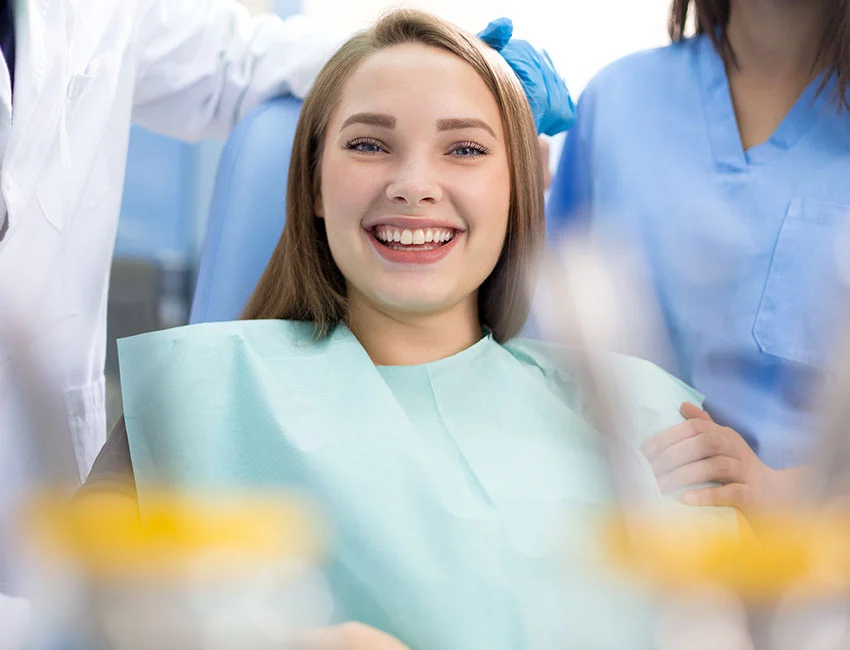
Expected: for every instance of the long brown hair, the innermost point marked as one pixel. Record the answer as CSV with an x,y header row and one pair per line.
x,y
712,18
302,282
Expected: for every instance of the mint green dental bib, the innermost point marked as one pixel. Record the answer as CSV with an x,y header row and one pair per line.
x,y
454,489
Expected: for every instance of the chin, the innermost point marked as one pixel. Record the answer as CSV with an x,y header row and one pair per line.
x,y
418,306
413,300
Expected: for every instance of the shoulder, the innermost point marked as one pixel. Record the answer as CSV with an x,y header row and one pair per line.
x,y
621,115
646,65
650,395
628,370
629,82
544,356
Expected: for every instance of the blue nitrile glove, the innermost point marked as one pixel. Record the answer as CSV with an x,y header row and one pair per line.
x,y
547,93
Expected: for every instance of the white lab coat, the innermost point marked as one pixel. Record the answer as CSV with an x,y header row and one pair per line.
x,y
85,69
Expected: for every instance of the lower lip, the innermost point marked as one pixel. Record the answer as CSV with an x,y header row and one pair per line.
x,y
397,256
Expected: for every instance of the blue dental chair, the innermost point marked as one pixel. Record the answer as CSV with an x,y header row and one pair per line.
x,y
247,211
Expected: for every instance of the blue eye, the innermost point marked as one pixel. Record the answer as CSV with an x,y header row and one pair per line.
x,y
469,150
365,145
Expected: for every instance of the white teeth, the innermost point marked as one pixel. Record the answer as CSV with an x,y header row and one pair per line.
x,y
418,237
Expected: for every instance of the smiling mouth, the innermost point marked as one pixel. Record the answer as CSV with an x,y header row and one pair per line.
x,y
420,239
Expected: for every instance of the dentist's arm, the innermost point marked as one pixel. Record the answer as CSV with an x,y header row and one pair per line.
x,y
203,64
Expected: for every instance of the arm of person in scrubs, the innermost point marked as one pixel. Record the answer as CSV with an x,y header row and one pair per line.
x,y
700,451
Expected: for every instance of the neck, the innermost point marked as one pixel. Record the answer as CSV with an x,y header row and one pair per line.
x,y
777,38
406,340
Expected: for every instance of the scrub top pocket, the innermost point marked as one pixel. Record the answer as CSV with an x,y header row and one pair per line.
x,y
807,292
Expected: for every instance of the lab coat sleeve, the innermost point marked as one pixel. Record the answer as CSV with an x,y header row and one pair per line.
x,y
203,64
571,195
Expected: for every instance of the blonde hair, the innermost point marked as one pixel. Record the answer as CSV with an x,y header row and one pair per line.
x,y
302,282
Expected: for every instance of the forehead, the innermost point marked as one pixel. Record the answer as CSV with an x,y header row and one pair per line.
x,y
413,81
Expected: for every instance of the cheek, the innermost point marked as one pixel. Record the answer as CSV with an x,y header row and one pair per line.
x,y
347,190
486,201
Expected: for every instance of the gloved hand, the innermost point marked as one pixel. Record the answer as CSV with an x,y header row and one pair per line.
x,y
547,93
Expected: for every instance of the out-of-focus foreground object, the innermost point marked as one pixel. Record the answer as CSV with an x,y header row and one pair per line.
x,y
218,572
777,581
582,300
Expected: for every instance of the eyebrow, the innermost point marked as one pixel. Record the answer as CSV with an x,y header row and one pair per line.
x,y
453,124
447,124
375,119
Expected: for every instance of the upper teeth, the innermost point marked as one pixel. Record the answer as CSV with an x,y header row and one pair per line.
x,y
419,236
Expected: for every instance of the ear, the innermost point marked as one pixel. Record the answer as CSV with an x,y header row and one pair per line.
x,y
318,207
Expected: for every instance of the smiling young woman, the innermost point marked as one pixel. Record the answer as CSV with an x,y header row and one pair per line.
x,y
303,280
377,373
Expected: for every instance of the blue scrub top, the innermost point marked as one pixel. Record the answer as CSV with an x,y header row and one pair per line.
x,y
749,250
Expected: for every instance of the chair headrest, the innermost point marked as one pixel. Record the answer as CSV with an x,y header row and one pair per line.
x,y
247,212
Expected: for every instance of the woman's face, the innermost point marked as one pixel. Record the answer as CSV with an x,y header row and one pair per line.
x,y
415,182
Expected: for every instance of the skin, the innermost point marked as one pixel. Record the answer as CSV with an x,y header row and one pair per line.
x,y
700,450
415,165
776,46
348,636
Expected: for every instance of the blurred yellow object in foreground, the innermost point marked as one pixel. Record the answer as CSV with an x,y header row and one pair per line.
x,y
103,532
767,556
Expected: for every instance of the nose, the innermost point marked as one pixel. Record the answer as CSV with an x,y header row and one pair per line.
x,y
415,184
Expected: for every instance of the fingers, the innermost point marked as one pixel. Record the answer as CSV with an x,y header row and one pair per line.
x,y
713,442
699,451
691,411
316,639
346,636
721,469
674,435
735,495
